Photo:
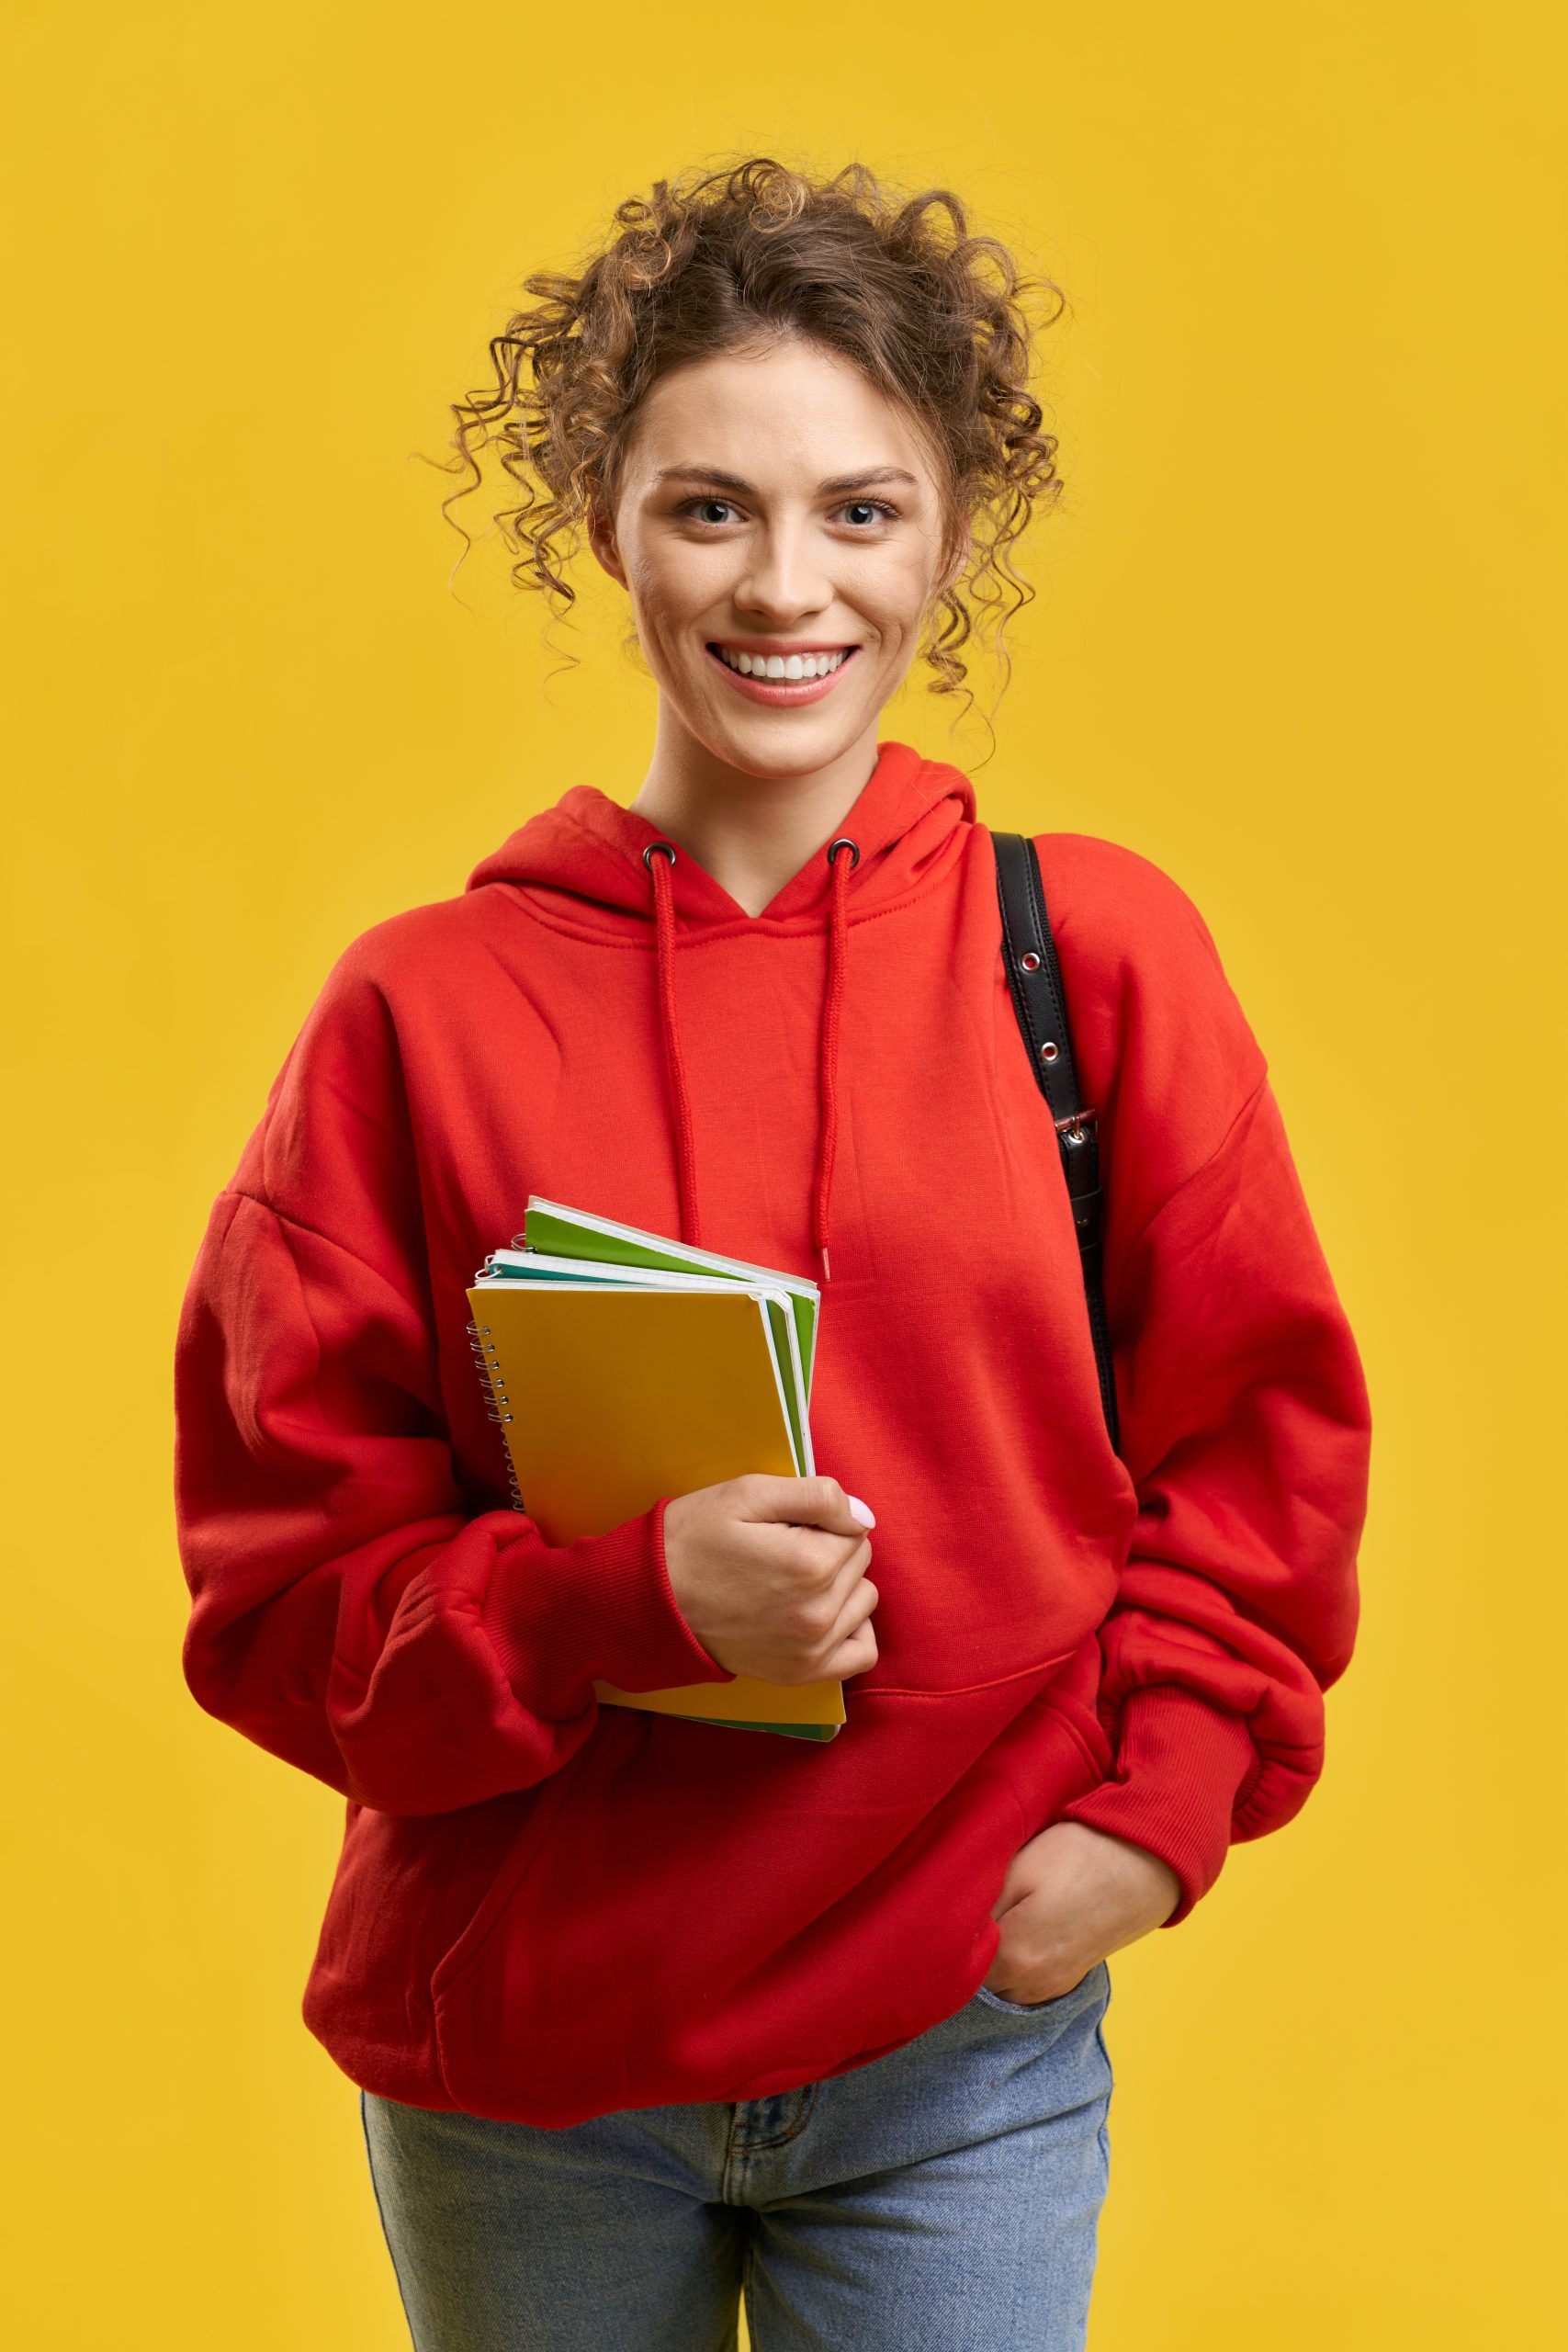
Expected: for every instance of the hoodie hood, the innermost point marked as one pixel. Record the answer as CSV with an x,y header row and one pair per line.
x,y
899,838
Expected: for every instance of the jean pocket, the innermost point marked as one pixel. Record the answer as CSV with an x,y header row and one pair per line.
x,y
989,2000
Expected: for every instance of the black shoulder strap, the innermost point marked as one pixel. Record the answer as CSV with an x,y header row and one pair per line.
x,y
1040,1000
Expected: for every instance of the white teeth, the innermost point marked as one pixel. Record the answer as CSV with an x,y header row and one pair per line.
x,y
783,666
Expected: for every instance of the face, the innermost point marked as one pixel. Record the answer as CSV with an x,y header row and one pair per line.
x,y
778,528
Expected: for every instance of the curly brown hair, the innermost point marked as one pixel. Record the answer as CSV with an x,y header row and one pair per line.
x,y
936,317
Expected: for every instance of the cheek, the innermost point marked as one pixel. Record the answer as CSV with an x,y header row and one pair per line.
x,y
895,595
671,585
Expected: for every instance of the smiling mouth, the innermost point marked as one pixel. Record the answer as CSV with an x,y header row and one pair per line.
x,y
789,667
782,681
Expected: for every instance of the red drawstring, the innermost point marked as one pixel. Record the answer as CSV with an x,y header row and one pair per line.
x,y
827,1048
664,921
658,856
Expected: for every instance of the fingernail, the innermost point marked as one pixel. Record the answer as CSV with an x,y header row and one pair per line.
x,y
863,1511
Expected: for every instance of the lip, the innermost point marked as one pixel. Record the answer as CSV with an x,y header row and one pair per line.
x,y
788,644
783,693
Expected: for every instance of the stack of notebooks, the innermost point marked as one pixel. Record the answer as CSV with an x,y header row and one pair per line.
x,y
621,1365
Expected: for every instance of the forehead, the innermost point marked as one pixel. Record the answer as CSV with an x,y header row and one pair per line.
x,y
788,414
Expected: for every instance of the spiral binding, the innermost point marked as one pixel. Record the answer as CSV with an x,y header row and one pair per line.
x,y
496,1406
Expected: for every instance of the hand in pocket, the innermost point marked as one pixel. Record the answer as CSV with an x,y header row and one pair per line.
x,y
1072,1896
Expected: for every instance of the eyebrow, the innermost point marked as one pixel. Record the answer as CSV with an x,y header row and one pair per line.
x,y
840,486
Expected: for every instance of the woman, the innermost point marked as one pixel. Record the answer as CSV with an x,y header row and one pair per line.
x,y
646,2014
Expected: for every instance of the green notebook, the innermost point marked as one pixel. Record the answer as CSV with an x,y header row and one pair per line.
x,y
550,1228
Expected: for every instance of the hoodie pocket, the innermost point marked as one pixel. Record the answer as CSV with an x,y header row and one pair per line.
x,y
1055,1752
1067,1756
1086,1730
554,1801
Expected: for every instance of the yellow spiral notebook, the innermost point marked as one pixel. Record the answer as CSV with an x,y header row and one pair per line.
x,y
612,1385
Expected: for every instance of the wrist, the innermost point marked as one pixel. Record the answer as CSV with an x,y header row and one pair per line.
x,y
1152,1882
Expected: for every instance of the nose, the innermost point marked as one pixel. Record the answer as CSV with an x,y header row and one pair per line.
x,y
784,580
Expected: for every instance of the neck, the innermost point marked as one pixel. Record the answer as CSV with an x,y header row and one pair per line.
x,y
752,834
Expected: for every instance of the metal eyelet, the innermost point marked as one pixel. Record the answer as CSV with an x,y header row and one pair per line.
x,y
842,841
669,847
1049,1050
1030,963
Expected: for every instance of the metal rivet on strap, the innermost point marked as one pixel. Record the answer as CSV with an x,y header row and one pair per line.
x,y
668,846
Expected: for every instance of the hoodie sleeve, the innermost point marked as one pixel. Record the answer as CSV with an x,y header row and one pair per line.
x,y
1245,1431
349,1614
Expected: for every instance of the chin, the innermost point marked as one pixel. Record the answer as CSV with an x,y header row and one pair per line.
x,y
786,743
785,759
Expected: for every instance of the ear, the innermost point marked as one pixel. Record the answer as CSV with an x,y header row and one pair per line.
x,y
602,539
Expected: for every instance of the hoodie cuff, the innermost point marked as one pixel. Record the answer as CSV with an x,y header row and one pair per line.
x,y
603,1608
1179,1764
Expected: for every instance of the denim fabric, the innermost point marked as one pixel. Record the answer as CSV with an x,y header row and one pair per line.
x,y
944,2197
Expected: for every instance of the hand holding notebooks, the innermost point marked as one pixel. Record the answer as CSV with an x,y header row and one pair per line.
x,y
623,1365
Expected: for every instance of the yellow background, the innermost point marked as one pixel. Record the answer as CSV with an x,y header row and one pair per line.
x,y
1294,642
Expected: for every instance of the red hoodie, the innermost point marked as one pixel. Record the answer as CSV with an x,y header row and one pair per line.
x,y
543,1911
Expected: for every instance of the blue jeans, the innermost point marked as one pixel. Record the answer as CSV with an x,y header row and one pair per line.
x,y
947,2196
